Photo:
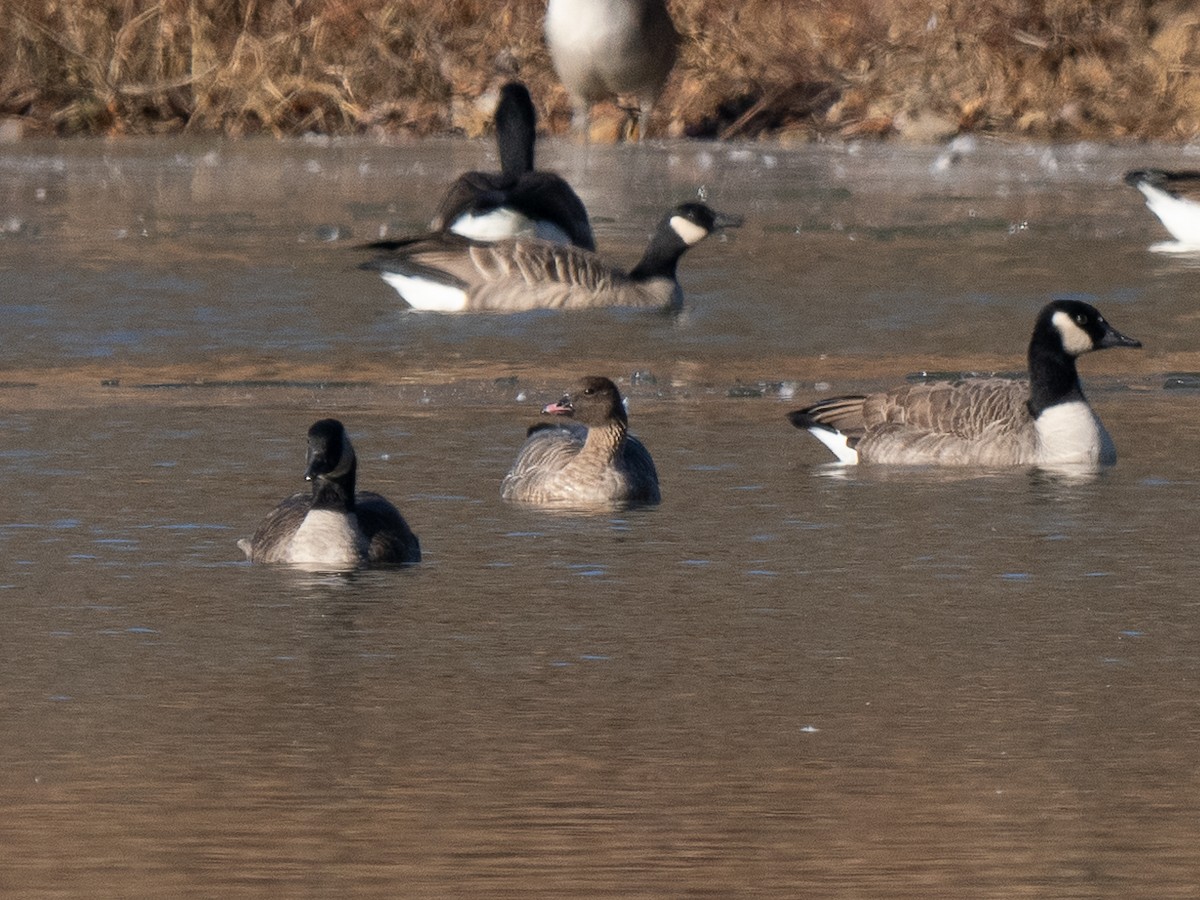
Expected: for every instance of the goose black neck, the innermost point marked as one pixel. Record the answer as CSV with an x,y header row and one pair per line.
x,y
335,493
516,132
661,258
1053,378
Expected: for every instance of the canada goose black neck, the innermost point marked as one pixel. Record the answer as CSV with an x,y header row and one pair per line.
x,y
332,466
685,225
516,130
1065,329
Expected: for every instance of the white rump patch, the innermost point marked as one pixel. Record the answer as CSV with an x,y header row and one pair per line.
x,y
1179,215
1075,340
495,225
427,295
689,232
838,443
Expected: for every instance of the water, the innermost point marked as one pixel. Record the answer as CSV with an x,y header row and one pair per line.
x,y
788,680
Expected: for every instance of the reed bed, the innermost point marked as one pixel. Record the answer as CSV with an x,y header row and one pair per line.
x,y
1060,69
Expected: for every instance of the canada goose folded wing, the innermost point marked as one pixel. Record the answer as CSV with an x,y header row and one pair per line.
x,y
267,544
389,536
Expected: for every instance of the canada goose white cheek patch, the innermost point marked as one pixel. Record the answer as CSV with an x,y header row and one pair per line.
x,y
1075,340
426,295
689,232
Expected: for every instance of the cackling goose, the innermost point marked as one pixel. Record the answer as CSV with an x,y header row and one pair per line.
x,y
448,273
332,526
1045,421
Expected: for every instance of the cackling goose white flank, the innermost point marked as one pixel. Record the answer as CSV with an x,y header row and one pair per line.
x,y
602,48
993,422
332,526
591,460
518,201
448,273
1175,198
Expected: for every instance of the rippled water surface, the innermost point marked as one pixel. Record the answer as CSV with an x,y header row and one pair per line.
x,y
787,680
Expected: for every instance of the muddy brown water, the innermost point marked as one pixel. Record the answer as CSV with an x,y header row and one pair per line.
x,y
787,680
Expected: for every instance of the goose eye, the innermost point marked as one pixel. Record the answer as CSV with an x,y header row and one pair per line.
x,y
1081,318
589,391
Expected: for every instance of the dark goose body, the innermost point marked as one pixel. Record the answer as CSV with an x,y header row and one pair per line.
x,y
333,525
519,200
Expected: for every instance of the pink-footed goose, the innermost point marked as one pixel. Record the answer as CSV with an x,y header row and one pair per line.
x,y
590,460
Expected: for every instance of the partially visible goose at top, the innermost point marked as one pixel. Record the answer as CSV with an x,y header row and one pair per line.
x,y
1175,198
603,48
590,460
448,273
517,201
1045,421
332,526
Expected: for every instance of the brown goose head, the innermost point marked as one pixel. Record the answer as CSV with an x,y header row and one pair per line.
x,y
593,401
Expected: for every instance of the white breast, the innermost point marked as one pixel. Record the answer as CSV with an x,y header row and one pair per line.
x,y
327,538
1179,216
1070,434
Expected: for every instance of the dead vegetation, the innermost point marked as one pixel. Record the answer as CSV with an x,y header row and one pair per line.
x,y
801,68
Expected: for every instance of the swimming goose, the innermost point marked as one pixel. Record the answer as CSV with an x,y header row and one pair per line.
x,y
601,48
332,526
1045,421
591,460
517,201
448,273
1175,198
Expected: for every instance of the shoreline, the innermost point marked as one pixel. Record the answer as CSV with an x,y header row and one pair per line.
x,y
748,69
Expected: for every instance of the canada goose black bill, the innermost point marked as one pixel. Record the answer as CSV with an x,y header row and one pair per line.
x,y
332,527
1175,198
589,460
448,273
992,422
517,201
604,48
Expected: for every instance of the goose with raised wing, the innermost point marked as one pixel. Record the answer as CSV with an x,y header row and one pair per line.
x,y
449,273
605,48
519,200
332,526
990,422
589,459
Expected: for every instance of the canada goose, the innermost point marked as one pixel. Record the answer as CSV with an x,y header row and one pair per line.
x,y
518,201
448,273
332,526
1045,421
1175,198
601,48
592,460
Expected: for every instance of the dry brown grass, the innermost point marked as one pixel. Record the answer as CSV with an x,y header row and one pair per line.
x,y
1047,68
